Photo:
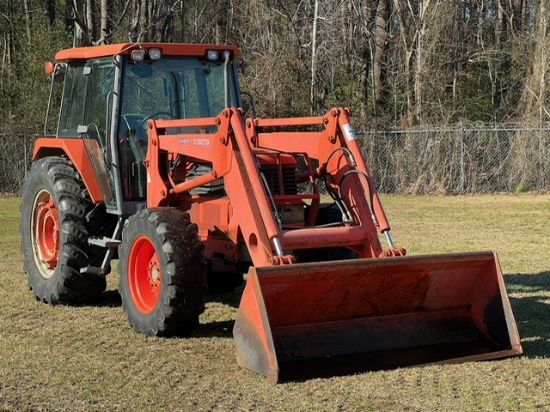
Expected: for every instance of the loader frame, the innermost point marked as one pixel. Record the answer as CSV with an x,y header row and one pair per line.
x,y
233,151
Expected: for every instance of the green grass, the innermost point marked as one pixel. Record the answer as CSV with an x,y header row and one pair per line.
x,y
87,358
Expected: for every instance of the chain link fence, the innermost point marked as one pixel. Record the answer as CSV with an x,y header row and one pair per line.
x,y
437,161
15,156
459,161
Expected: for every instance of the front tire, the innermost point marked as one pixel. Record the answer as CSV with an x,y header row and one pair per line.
x,y
55,226
162,272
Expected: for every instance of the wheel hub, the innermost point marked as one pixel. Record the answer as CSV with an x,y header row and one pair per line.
x,y
154,276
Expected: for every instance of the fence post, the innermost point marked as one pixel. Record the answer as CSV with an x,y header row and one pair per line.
x,y
462,149
25,152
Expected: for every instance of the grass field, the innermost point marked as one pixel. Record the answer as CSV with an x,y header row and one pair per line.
x,y
86,358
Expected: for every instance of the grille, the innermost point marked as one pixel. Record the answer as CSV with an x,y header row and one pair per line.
x,y
290,186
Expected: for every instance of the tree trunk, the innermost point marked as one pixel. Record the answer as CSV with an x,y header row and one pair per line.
x,y
502,64
142,21
90,22
49,7
419,66
407,53
542,41
516,22
27,20
79,23
7,63
533,99
380,33
313,93
182,22
364,79
104,22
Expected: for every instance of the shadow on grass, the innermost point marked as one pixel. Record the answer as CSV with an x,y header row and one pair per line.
x,y
107,299
218,329
232,299
112,299
530,300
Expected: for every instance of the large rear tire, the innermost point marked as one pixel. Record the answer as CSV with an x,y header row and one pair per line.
x,y
162,272
56,222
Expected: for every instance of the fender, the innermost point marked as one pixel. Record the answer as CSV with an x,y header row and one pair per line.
x,y
75,150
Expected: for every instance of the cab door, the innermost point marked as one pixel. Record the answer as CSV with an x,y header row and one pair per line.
x,y
86,113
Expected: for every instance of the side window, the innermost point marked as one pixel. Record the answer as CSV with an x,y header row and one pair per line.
x,y
73,103
85,96
99,87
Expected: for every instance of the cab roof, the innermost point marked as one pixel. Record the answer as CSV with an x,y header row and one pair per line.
x,y
167,49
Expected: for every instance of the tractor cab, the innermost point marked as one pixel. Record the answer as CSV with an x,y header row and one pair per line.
x,y
111,92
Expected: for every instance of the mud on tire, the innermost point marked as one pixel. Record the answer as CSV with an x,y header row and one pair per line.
x,y
57,218
161,268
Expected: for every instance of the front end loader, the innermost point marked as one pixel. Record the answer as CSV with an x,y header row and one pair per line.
x,y
155,163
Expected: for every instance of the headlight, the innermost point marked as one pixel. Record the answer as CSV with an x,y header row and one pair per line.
x,y
212,55
138,55
155,54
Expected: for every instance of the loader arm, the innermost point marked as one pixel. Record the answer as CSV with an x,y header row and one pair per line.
x,y
229,160
233,150
339,155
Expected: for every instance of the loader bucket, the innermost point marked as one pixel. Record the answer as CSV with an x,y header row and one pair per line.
x,y
332,318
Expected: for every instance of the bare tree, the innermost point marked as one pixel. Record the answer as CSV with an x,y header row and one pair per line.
x,y
536,93
313,93
378,49
26,7
49,10
104,20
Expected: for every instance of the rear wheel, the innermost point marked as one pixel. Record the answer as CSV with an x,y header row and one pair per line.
x,y
162,272
57,218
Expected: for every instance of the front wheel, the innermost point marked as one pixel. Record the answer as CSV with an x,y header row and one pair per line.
x,y
162,272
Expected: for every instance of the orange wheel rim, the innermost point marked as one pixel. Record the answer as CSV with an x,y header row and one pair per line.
x,y
144,275
46,231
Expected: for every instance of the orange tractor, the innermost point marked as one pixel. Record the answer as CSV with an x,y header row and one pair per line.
x,y
155,164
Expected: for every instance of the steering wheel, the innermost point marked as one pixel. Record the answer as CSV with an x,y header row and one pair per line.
x,y
142,124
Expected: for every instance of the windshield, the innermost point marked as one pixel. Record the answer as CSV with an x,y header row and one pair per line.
x,y
174,87
169,88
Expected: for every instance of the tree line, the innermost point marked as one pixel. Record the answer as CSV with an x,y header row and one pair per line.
x,y
395,63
